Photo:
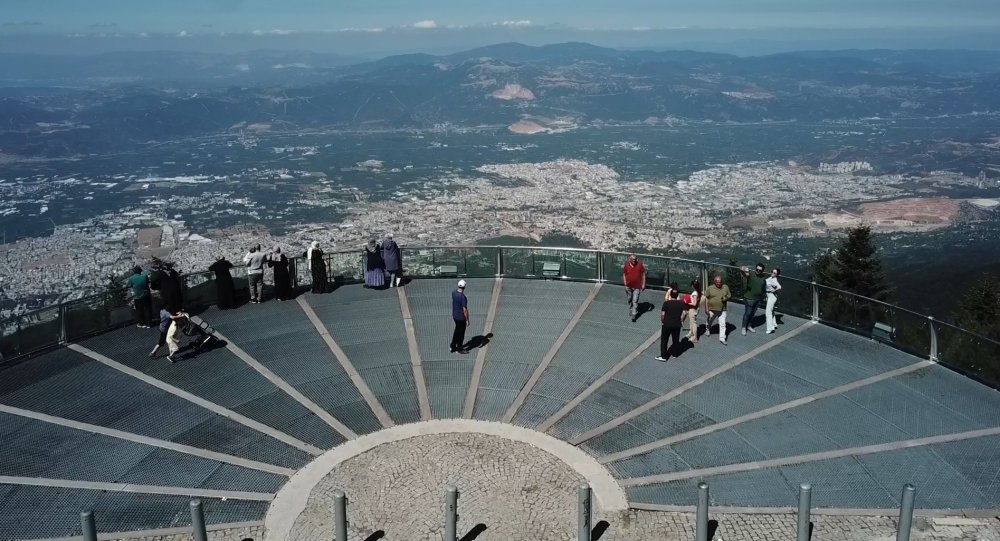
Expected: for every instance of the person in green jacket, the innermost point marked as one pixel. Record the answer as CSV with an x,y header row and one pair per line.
x,y
753,294
142,297
716,297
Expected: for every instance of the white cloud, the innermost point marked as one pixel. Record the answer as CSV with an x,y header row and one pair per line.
x,y
425,25
515,24
182,34
363,30
641,28
243,67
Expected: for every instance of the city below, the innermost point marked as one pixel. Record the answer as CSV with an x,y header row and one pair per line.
x,y
713,208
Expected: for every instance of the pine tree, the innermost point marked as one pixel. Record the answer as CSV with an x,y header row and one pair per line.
x,y
853,266
978,313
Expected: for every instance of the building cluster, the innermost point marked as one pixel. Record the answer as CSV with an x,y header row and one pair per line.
x,y
563,197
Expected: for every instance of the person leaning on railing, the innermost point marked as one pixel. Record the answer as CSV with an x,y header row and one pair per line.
x,y
255,273
142,297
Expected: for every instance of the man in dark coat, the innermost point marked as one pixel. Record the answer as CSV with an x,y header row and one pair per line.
x,y
224,288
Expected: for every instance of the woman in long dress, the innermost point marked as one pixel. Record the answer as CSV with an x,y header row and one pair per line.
x,y
374,266
282,281
225,290
317,266
393,260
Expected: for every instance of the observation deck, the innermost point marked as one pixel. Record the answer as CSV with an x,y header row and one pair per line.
x,y
849,394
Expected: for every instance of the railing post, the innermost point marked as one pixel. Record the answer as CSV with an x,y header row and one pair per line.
x,y
17,335
434,265
198,531
450,513
532,273
339,515
562,272
62,323
805,506
704,276
814,289
905,513
934,338
583,512
88,526
600,267
465,263
499,262
701,524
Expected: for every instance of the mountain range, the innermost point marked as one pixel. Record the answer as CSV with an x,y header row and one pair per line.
x,y
72,105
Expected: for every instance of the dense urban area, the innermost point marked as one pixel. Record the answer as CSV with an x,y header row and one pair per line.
x,y
715,207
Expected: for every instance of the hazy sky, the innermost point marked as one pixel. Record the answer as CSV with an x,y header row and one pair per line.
x,y
204,16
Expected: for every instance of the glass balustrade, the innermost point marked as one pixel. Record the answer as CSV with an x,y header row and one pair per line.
x,y
976,355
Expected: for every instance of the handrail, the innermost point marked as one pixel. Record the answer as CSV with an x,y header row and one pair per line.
x,y
601,274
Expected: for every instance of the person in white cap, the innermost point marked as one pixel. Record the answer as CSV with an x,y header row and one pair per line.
x,y
460,313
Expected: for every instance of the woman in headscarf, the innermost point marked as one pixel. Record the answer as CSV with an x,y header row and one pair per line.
x,y
224,288
282,281
317,266
393,260
374,265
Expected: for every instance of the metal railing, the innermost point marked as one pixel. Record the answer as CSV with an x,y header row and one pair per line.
x,y
915,333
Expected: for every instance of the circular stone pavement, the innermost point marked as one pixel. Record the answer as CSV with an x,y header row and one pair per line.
x,y
516,490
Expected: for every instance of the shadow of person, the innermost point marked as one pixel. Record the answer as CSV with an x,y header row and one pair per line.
x,y
681,347
642,308
598,532
478,342
474,532
376,536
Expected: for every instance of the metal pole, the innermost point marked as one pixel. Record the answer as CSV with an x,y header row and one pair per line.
x,y
815,298
704,276
499,261
805,505
583,512
905,513
89,528
450,513
934,338
62,323
340,515
465,263
198,531
701,526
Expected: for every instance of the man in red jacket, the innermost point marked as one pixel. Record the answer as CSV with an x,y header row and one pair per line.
x,y
634,277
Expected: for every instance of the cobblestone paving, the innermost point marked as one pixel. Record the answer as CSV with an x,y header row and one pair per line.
x,y
518,491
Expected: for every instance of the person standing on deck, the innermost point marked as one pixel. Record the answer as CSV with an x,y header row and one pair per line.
x,y
634,278
225,290
317,267
716,297
753,295
460,314
393,259
255,273
670,321
771,289
142,297
282,279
